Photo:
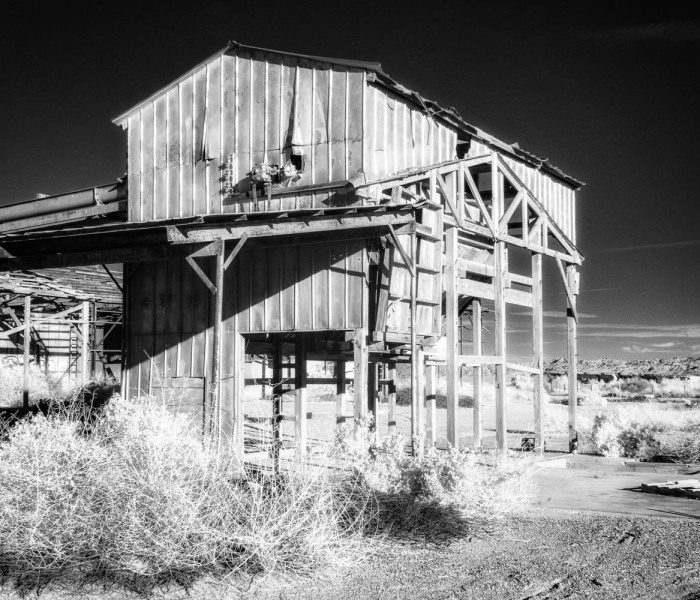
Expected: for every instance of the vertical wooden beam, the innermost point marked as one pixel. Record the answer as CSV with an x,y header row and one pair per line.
x,y
85,345
416,393
538,350
361,356
451,324
499,282
238,391
477,373
27,341
93,336
339,390
391,400
125,345
276,402
212,415
420,409
572,343
372,391
430,408
301,394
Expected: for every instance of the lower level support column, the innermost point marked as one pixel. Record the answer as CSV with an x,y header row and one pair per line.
x,y
451,324
430,408
361,357
499,334
300,397
391,399
477,374
572,344
339,390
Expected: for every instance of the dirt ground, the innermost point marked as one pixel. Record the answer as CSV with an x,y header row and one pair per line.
x,y
551,554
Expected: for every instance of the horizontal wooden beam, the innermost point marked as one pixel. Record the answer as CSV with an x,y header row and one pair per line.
x,y
479,289
523,368
114,255
472,266
188,234
476,360
63,217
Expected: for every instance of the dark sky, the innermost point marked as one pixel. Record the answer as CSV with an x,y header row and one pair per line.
x,y
609,92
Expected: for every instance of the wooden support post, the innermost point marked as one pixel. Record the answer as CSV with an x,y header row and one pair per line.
x,y
372,391
573,356
125,361
538,351
361,355
238,391
27,340
416,393
93,336
430,408
477,373
500,266
301,394
212,411
276,403
85,344
339,390
420,409
391,400
451,324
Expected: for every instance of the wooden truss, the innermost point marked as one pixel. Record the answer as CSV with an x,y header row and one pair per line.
x,y
479,227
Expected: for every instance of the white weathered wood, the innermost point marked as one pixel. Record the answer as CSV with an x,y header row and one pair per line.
x,y
499,334
451,325
27,341
538,351
479,289
430,406
213,416
361,356
85,343
572,343
477,374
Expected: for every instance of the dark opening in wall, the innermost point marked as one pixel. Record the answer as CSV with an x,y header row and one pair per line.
x,y
463,148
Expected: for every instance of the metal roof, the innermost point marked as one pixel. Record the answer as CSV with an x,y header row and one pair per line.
x,y
433,109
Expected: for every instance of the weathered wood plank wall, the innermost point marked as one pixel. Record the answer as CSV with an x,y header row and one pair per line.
x,y
276,288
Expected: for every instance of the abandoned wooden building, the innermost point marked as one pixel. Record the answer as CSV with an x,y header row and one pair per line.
x,y
304,208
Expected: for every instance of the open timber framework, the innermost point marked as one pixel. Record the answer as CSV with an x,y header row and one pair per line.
x,y
304,208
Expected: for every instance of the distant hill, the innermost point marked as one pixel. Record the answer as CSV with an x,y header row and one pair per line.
x,y
651,368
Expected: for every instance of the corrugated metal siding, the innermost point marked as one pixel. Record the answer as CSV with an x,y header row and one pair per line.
x,y
312,286
233,113
283,288
558,199
399,136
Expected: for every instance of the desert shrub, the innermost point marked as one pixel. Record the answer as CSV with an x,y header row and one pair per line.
x,y
41,387
135,497
683,445
441,488
635,387
616,433
586,396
